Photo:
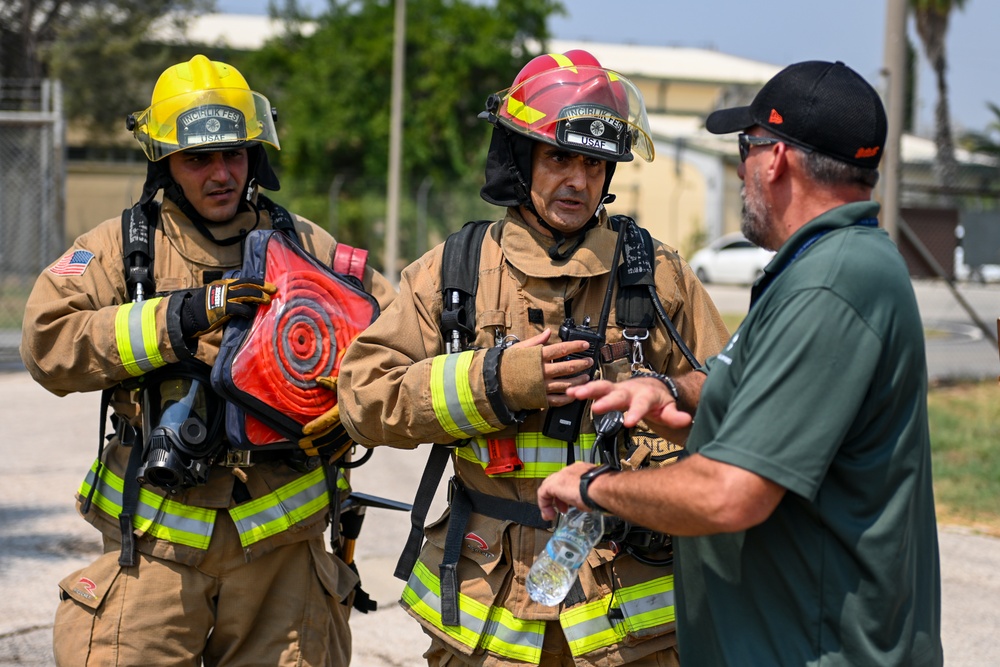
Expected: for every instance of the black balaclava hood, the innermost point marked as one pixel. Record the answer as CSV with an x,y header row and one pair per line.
x,y
508,183
260,174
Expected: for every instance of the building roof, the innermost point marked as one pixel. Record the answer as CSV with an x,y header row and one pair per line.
x,y
251,31
674,62
238,31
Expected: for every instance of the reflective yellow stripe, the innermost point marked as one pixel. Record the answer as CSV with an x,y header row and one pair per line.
x,y
491,628
281,509
156,515
540,454
562,60
523,112
530,115
452,398
136,338
645,609
342,482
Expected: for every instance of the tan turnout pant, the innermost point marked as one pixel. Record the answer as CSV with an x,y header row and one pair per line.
x,y
281,609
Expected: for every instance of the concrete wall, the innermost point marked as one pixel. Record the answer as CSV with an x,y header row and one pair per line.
x,y
666,196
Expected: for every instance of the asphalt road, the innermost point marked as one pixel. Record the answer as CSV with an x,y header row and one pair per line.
x,y
49,442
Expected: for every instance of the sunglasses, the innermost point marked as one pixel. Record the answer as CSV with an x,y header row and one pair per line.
x,y
748,141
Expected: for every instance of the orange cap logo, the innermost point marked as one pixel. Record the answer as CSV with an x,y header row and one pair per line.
x,y
866,152
775,118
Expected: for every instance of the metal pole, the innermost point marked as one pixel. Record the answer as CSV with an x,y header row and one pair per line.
x,y
395,145
894,73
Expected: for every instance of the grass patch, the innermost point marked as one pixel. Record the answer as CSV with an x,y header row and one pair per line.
x,y
733,321
965,449
965,438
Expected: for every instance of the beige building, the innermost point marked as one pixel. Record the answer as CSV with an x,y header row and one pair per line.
x,y
690,192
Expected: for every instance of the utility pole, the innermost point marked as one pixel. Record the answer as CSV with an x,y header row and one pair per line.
x,y
894,75
395,145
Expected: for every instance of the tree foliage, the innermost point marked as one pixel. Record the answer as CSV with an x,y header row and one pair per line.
x,y
100,50
988,140
333,87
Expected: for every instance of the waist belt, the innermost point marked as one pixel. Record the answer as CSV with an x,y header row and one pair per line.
x,y
242,458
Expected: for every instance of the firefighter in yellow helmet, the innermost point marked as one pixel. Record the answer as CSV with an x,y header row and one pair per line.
x,y
543,267
212,555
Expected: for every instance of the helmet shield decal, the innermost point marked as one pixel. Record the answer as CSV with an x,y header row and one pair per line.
x,y
213,123
594,129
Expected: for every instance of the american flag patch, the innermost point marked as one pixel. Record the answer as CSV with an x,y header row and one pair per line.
x,y
73,263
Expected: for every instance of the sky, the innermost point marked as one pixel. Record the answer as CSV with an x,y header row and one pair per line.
x,y
766,30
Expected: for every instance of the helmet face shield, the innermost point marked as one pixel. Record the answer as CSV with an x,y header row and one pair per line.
x,y
585,109
207,120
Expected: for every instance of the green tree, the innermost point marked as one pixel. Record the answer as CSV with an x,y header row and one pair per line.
x,y
988,140
932,27
99,49
332,89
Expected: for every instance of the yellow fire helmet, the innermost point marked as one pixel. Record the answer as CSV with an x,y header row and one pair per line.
x,y
202,105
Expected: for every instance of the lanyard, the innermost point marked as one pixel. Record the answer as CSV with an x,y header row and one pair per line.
x,y
758,289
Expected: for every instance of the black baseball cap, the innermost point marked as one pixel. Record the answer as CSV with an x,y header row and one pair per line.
x,y
822,106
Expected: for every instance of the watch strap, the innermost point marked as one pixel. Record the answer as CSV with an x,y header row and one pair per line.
x,y
585,480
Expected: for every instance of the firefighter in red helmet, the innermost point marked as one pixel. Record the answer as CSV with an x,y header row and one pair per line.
x,y
484,389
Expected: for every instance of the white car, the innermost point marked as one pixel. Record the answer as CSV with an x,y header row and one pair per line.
x,y
730,259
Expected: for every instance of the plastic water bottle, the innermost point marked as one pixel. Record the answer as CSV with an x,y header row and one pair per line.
x,y
552,575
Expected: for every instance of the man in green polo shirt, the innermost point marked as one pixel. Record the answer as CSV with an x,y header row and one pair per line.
x,y
803,509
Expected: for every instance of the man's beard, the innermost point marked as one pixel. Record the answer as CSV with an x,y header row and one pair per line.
x,y
756,221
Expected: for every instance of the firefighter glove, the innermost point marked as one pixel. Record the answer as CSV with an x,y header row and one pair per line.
x,y
208,308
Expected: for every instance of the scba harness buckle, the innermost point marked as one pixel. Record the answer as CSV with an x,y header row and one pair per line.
x,y
237,458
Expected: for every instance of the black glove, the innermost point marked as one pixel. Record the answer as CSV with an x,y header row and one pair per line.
x,y
207,309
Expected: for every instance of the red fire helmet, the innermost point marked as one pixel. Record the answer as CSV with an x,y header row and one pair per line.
x,y
569,100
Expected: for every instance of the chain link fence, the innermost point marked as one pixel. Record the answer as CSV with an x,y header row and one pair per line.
x,y
32,186
950,238
354,211
959,224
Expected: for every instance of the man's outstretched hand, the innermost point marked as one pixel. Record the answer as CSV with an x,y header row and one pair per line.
x,y
638,398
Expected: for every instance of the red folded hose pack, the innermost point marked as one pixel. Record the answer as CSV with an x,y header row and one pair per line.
x,y
268,367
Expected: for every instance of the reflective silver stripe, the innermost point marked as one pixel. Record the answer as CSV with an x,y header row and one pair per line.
x,y
646,608
452,399
136,337
540,455
492,628
426,602
281,509
156,515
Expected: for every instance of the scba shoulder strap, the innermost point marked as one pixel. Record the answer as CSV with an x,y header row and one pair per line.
x,y
637,306
460,281
138,223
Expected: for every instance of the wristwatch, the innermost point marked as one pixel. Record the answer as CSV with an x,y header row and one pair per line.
x,y
585,480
